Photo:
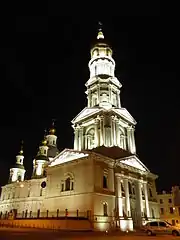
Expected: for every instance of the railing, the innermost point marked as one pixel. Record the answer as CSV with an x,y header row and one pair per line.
x,y
48,215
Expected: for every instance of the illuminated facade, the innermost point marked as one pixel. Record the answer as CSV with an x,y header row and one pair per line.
x,y
102,178
170,206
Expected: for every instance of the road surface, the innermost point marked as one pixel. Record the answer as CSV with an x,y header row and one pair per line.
x,y
31,234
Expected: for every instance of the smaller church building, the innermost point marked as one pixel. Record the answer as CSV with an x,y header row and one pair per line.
x,y
102,178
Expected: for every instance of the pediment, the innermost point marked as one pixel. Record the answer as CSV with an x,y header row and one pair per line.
x,y
67,155
86,112
135,163
124,114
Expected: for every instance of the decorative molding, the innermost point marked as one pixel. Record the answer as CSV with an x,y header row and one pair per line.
x,y
67,155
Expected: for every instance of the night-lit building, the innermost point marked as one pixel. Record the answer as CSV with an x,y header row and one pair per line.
x,y
102,178
170,205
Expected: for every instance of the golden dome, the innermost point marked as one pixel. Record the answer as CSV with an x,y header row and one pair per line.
x,y
52,131
21,152
44,142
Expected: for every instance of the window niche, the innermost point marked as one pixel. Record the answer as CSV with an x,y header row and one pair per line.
x,y
105,210
105,179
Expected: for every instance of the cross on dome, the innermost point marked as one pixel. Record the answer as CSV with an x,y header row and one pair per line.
x,y
100,33
21,150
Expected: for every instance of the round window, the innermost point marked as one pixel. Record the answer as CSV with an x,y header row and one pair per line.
x,y
43,184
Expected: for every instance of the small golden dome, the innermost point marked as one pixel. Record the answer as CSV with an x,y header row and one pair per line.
x,y
44,142
52,131
21,152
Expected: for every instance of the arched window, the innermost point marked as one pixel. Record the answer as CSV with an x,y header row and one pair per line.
x,y
19,178
105,209
68,182
90,138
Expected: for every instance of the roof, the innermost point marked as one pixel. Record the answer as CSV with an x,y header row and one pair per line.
x,y
52,151
18,166
112,152
42,157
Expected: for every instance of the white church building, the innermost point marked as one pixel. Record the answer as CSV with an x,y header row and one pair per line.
x,y
101,178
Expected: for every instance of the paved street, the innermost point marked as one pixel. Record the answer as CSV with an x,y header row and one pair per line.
x,y
28,234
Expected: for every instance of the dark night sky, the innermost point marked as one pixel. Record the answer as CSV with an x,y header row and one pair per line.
x,y
44,68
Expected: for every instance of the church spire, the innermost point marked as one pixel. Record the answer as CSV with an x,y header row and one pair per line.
x,y
44,141
103,121
52,129
20,156
52,141
21,149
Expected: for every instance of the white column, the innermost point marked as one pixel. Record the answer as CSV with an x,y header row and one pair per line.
x,y
119,196
76,139
117,133
101,131
98,94
114,132
104,132
89,98
118,99
110,94
96,122
127,200
129,138
80,139
133,147
108,137
139,202
85,141
146,199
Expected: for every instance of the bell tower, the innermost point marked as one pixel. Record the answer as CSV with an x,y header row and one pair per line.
x,y
104,122
17,172
41,160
